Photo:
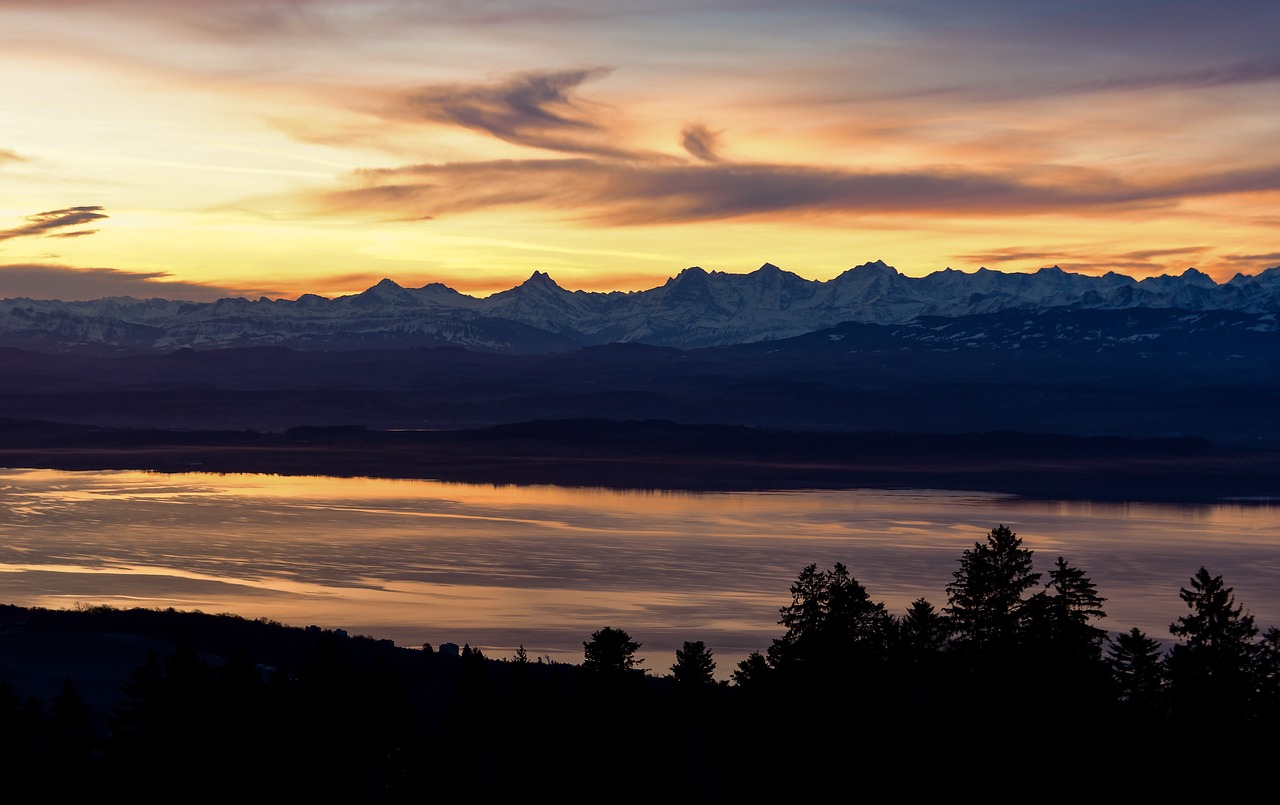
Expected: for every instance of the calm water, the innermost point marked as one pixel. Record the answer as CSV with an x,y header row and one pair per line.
x,y
427,562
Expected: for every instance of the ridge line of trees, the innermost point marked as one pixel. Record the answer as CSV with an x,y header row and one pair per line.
x,y
1013,653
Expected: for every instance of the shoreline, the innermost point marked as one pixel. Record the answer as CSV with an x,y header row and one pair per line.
x,y
692,458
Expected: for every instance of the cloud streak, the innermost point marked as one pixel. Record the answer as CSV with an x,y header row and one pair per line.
x,y
626,193
1246,72
69,284
1144,261
46,224
536,109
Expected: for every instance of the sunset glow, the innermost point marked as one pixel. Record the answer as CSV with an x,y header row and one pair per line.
x,y
261,147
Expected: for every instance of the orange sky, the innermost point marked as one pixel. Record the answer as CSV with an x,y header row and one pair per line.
x,y
261,147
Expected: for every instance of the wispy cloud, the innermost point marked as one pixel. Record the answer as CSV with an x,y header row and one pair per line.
x,y
1246,72
1150,254
7,155
701,142
1247,263
1011,254
625,193
1094,261
1272,257
258,19
69,284
47,224
538,109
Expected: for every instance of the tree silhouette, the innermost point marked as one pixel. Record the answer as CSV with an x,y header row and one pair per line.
x,y
832,623
1060,616
1216,623
752,673
809,605
694,666
610,651
985,598
1137,665
922,632
921,676
1211,670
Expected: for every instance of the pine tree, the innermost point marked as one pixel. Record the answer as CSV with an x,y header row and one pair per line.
x,y
610,651
832,623
694,666
752,673
1137,665
922,631
1216,623
1212,671
1060,616
985,599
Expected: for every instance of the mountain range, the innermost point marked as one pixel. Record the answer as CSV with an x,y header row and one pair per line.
x,y
871,350
694,309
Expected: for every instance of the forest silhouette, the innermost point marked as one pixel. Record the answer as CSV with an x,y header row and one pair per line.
x,y
1008,685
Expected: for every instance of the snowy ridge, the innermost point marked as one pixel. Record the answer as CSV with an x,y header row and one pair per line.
x,y
696,308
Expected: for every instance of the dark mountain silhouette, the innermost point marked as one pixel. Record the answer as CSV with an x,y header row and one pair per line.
x,y
1142,373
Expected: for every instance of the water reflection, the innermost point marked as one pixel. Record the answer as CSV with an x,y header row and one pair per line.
x,y
501,566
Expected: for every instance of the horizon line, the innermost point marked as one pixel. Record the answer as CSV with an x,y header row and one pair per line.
x,y
534,276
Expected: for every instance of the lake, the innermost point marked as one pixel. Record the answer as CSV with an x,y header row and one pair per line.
x,y
543,566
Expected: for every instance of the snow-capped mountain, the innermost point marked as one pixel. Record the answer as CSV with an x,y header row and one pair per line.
x,y
693,309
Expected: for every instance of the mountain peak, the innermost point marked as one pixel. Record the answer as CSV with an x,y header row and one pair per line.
x,y
1198,277
696,274
540,278
386,292
385,289
874,268
694,308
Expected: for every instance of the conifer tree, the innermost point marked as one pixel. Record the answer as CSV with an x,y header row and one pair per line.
x,y
985,598
1137,665
831,623
922,631
694,666
610,651
1060,616
1211,671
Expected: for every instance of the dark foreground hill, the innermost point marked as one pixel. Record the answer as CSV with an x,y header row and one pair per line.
x,y
156,705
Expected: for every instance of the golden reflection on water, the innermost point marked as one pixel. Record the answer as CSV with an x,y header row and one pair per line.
x,y
544,566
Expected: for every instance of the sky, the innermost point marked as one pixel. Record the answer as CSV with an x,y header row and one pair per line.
x,y
196,150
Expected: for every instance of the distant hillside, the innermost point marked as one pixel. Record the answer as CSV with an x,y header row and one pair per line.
x,y
655,454
1140,373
